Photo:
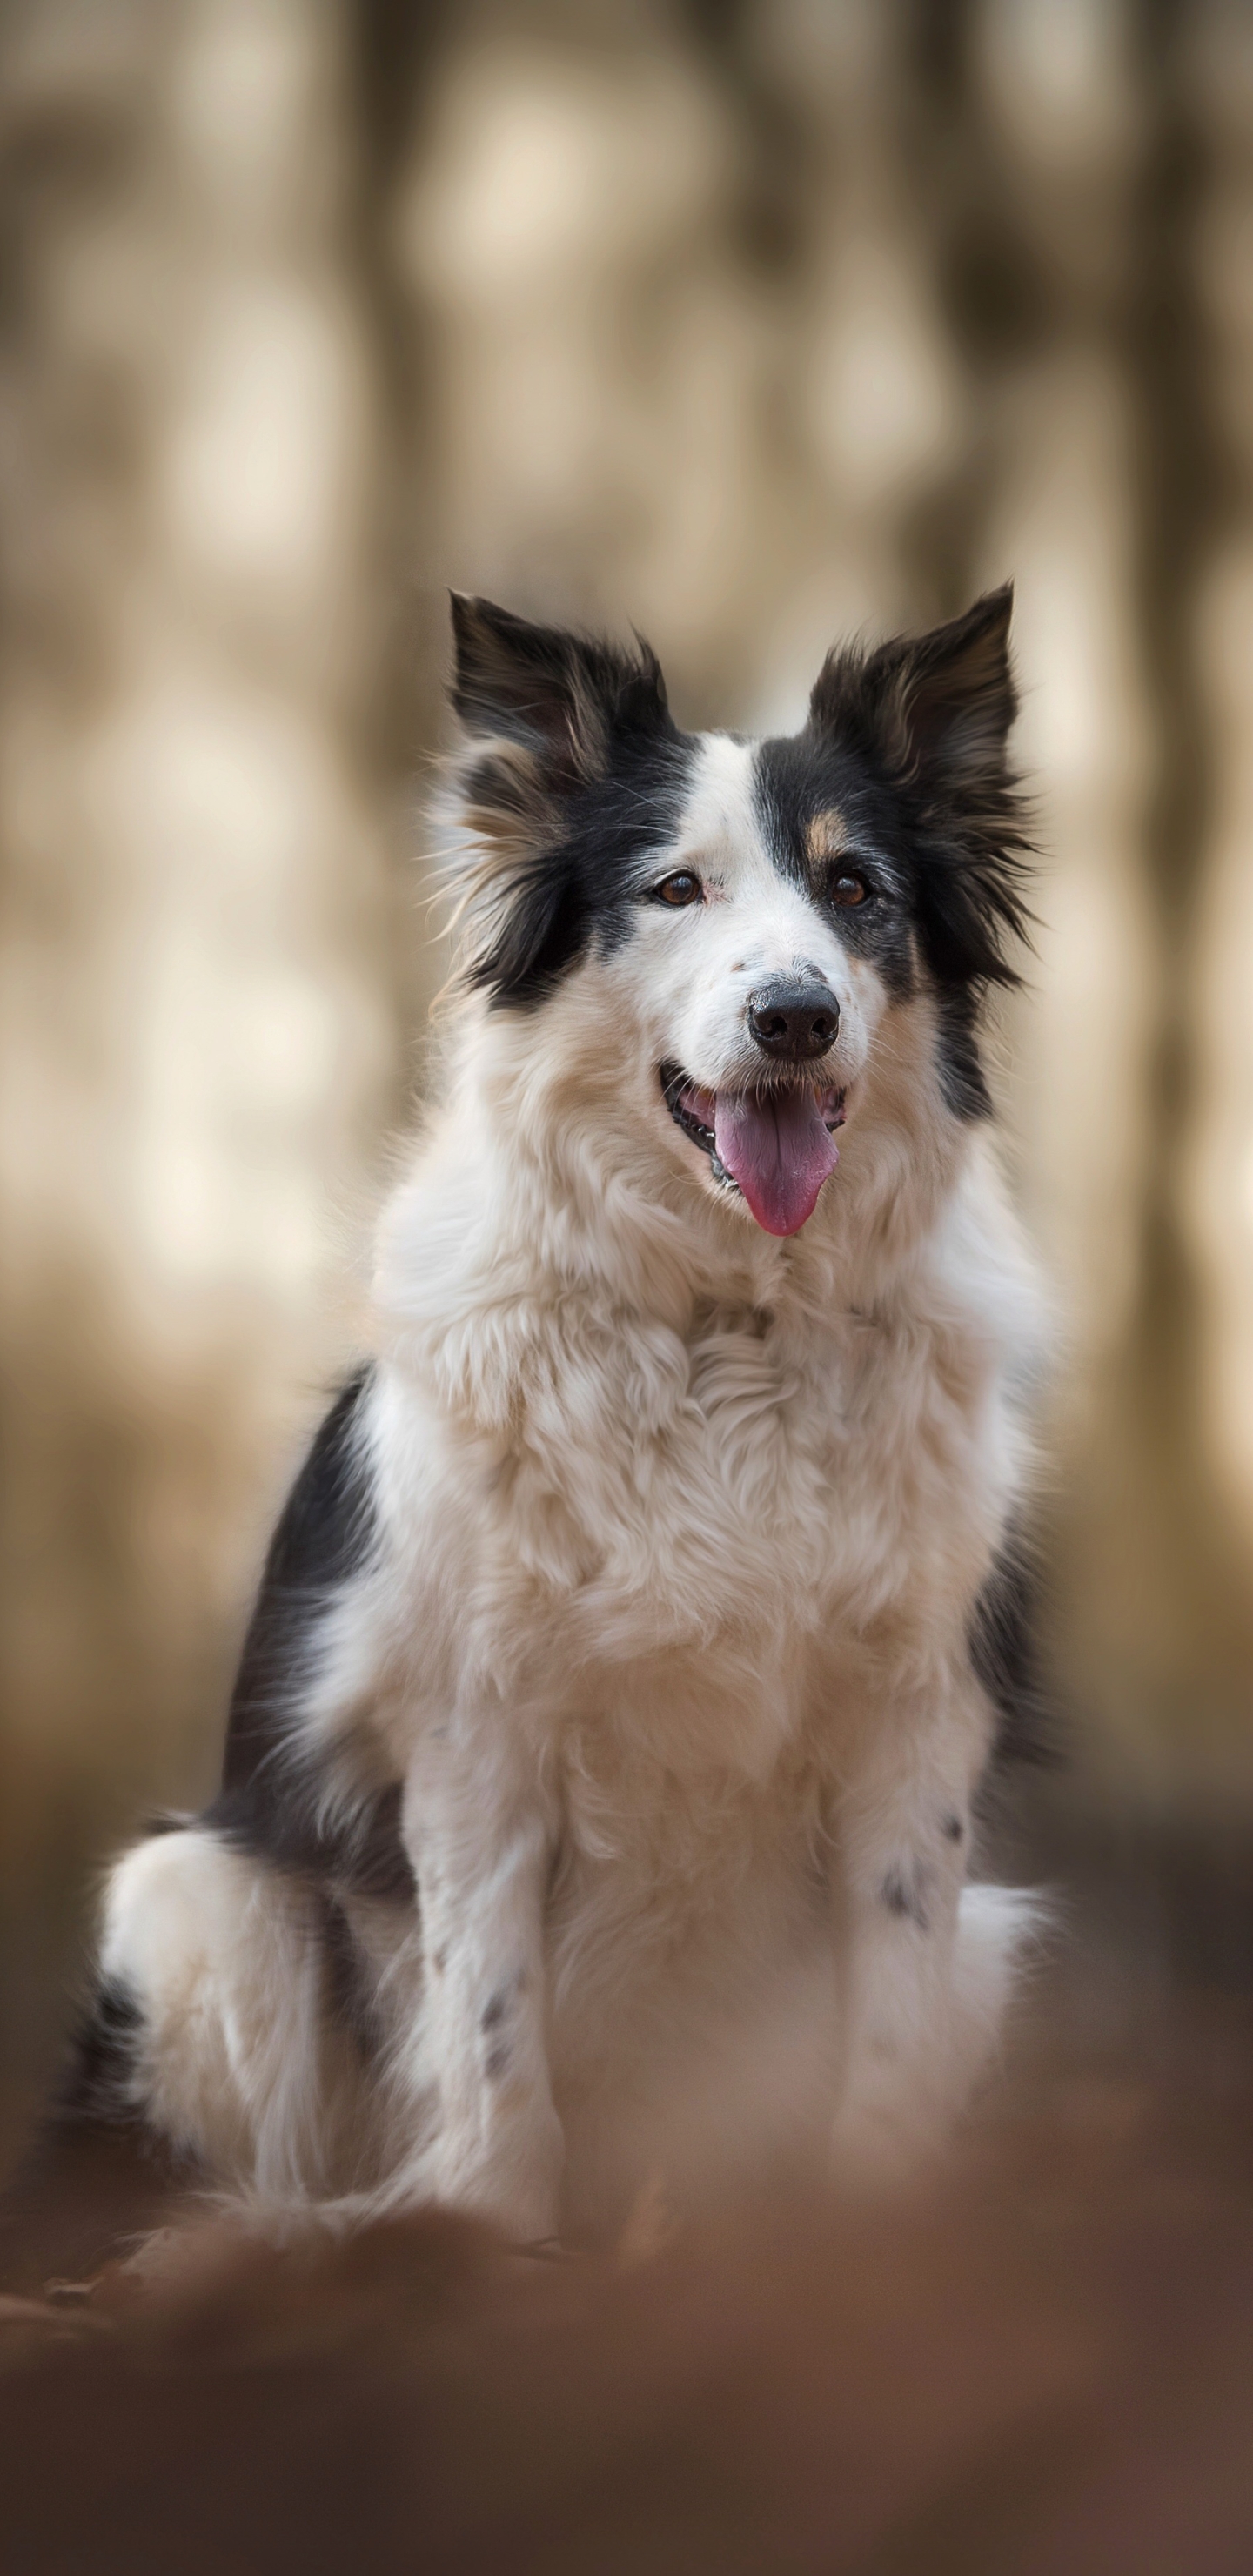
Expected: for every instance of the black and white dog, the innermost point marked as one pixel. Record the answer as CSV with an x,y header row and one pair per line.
x,y
598,1784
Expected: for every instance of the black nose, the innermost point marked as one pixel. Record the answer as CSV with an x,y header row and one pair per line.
x,y
792,1019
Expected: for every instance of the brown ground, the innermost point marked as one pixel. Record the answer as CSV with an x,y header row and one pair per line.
x,y
1040,2364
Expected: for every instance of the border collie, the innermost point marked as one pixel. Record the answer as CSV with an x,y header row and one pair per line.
x,y
599,1776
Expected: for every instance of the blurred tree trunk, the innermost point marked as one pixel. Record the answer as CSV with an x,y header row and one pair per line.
x,y
198,907
1153,1592
1156,1532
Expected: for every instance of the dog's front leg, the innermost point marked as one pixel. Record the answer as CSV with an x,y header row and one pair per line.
x,y
481,1846
910,2050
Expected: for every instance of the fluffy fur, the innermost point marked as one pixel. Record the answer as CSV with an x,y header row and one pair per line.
x,y
599,1778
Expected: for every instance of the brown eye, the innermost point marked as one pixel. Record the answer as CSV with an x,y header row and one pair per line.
x,y
679,889
849,889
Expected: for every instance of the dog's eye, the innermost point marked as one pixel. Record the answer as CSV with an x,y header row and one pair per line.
x,y
849,888
679,889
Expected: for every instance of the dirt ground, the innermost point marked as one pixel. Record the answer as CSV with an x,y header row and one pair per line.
x,y
1037,2363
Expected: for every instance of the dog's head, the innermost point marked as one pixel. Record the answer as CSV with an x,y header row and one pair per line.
x,y
751,913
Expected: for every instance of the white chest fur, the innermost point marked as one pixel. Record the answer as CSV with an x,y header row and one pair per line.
x,y
692,1532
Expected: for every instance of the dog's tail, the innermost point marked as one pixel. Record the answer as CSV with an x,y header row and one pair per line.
x,y
94,2178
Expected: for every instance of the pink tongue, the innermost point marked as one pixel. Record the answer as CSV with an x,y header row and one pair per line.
x,y
776,1146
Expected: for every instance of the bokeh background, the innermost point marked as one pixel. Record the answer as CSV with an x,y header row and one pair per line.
x,y
751,322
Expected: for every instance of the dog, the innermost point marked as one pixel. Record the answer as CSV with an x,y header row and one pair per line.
x,y
599,1780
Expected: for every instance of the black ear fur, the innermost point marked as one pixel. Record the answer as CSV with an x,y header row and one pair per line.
x,y
951,693
935,711
560,697
571,761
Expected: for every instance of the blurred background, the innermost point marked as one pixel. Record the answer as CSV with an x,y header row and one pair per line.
x,y
752,322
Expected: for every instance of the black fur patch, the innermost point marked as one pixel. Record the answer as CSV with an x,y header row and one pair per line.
x,y
272,1796
1005,1657
799,779
962,1078
588,777
906,746
902,1896
99,2081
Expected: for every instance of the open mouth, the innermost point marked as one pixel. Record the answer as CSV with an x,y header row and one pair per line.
x,y
775,1146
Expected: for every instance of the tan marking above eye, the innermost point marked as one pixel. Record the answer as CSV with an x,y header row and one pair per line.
x,y
826,836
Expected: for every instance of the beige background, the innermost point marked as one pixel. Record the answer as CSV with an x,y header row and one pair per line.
x,y
752,325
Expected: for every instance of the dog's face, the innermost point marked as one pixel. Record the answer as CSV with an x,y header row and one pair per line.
x,y
756,910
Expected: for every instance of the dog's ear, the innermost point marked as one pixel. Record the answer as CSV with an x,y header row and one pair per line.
x,y
545,713
936,711
559,699
942,703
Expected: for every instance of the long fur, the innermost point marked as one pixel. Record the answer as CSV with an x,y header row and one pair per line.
x,y
599,1782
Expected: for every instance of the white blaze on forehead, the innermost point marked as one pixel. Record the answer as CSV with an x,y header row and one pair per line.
x,y
720,822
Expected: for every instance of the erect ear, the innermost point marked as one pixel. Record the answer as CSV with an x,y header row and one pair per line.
x,y
935,711
942,704
560,699
544,714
